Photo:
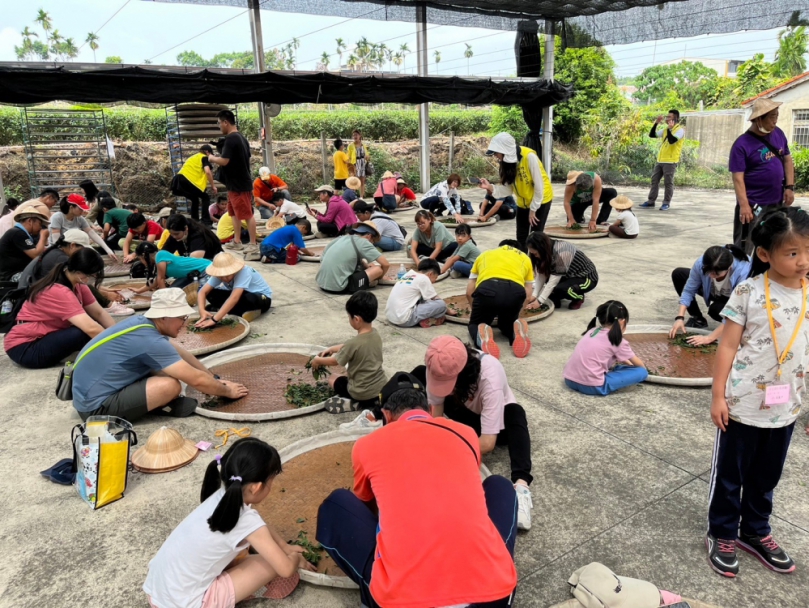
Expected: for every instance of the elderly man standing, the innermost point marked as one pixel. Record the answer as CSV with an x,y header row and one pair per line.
x,y
134,367
762,168
673,135
267,190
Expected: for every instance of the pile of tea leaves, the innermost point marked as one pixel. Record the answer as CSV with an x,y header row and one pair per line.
x,y
312,553
317,373
682,341
576,227
459,311
226,322
302,394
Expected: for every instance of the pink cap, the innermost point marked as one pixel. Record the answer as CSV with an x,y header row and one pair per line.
x,y
445,358
79,201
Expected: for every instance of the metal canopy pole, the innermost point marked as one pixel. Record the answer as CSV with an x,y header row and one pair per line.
x,y
424,109
547,113
258,60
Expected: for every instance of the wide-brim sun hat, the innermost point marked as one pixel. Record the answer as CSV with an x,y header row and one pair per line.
x,y
503,143
367,227
170,302
165,449
224,264
77,237
353,182
79,201
387,175
445,358
571,177
401,180
621,202
34,209
763,106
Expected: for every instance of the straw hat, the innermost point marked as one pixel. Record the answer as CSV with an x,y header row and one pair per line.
x,y
367,227
353,182
401,180
224,265
621,202
165,212
32,209
763,106
170,302
387,174
571,177
165,450
275,223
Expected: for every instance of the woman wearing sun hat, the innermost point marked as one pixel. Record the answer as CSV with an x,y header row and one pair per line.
x,y
385,195
351,191
626,225
71,213
521,170
233,289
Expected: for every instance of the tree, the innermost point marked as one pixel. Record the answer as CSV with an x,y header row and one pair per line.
x,y
398,60
193,59
437,55
691,81
341,46
324,61
114,59
92,42
753,77
404,50
45,21
353,62
790,58
468,53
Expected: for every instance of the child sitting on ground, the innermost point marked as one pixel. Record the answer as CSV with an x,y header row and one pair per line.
x,y
626,225
274,246
590,368
196,565
464,256
413,300
362,357
224,229
233,288
291,212
219,208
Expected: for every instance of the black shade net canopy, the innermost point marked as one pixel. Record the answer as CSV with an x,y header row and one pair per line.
x,y
26,86
582,22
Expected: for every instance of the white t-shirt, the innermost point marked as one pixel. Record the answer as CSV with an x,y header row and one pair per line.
x,y
723,288
755,365
290,208
629,222
491,398
193,556
60,222
411,289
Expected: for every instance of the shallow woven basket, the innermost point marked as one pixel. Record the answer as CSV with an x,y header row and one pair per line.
x,y
165,450
219,338
654,350
313,258
140,301
313,468
562,232
471,223
413,207
464,320
111,269
391,276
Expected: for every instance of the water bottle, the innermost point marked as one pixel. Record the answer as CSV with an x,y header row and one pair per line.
x,y
402,271
6,308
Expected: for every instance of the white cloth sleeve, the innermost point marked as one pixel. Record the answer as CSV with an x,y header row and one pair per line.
x,y
539,283
536,175
547,290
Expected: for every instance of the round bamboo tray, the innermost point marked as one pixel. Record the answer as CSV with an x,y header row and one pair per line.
x,y
471,223
460,302
669,363
391,276
563,232
219,338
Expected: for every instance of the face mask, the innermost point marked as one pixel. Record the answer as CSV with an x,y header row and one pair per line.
x,y
762,129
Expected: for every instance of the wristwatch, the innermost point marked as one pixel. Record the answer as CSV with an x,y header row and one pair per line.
x,y
792,187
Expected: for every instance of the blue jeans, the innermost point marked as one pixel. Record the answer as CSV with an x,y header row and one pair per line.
x,y
386,243
620,377
347,529
465,268
273,254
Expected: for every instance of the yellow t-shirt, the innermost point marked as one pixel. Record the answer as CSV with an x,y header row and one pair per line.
x,y
341,162
505,263
224,229
163,238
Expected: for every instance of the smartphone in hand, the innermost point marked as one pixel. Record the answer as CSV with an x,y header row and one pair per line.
x,y
474,180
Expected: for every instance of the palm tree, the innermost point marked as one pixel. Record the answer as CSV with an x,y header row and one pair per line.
x,y
45,21
353,62
468,54
437,55
389,57
92,42
361,50
398,60
56,42
27,33
790,58
341,46
324,61
69,49
404,50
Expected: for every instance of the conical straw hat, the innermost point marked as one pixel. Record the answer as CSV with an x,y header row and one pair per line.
x,y
165,450
275,223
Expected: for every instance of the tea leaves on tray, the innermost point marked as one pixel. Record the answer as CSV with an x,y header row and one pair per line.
x,y
682,340
317,373
304,395
312,553
226,322
575,227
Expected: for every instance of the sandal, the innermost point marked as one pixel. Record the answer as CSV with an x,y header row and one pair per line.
x,y
339,405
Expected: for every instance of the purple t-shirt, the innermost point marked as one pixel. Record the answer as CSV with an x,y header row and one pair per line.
x,y
593,357
763,170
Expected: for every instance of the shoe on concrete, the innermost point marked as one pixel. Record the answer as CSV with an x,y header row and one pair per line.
x,y
722,556
524,506
454,274
576,304
364,422
251,256
234,246
320,235
665,207
647,205
522,343
767,551
486,341
338,405
117,309
697,322
251,315
181,407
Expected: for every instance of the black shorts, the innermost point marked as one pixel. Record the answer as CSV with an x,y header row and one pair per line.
x,y
129,403
341,388
339,184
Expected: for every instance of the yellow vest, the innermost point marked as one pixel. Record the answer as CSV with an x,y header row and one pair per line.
x,y
524,184
192,171
670,153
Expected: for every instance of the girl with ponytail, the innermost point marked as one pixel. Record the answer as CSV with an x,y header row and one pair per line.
x,y
603,361
193,568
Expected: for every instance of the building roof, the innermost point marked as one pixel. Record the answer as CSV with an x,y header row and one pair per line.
x,y
792,82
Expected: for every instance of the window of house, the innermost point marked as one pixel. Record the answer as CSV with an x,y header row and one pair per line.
x,y
800,128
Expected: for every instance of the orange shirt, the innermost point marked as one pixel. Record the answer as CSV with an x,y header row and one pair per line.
x,y
263,190
426,483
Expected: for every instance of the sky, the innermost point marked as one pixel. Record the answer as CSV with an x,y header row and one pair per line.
x,y
159,31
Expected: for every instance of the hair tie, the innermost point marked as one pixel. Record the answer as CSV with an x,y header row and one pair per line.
x,y
235,478
218,459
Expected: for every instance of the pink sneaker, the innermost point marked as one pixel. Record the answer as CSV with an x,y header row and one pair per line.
x,y
119,310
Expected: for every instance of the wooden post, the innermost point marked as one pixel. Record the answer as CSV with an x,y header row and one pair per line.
x,y
451,149
2,193
324,155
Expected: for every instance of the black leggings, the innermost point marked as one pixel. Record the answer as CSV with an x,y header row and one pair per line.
x,y
195,196
496,298
515,435
572,288
446,252
524,225
679,276
341,388
607,194
330,229
249,301
49,349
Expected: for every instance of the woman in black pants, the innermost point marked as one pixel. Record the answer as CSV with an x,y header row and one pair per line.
x,y
431,239
562,272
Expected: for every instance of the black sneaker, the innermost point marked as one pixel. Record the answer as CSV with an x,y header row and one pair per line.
x,y
722,556
697,322
768,552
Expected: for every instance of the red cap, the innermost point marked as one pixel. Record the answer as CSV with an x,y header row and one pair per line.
x,y
79,201
445,358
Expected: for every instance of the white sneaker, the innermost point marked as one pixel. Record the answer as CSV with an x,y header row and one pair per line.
x,y
362,423
119,310
524,506
454,274
234,246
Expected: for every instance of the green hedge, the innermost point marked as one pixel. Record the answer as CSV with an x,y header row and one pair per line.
x,y
150,125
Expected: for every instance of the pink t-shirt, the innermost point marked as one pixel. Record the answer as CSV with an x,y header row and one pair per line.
x,y
593,357
340,213
49,313
386,186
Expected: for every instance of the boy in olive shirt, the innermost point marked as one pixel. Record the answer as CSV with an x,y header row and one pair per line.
x,y
362,357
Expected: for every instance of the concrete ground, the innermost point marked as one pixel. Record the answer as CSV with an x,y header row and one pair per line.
x,y
621,480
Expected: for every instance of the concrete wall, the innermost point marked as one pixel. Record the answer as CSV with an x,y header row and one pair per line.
x,y
715,132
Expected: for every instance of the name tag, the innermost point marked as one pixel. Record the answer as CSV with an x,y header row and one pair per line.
x,y
777,394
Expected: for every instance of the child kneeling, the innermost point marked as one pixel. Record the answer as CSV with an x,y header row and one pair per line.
x,y
234,289
274,246
197,566
413,300
590,368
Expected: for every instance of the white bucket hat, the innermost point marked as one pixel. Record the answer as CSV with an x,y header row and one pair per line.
x,y
505,145
264,172
170,302
77,237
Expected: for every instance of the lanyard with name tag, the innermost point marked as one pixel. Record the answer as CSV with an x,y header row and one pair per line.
x,y
778,393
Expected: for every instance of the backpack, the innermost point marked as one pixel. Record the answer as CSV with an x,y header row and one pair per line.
x,y
12,298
